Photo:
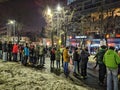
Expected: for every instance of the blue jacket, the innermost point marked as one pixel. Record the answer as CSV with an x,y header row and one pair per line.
x,y
26,51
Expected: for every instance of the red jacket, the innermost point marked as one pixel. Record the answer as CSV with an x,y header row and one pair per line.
x,y
15,48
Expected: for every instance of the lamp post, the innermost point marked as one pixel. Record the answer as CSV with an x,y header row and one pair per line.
x,y
12,25
49,13
59,9
55,18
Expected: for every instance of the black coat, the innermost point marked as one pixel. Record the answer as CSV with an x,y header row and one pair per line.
x,y
75,56
84,56
52,55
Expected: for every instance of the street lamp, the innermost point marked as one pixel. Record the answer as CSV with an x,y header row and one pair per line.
x,y
12,22
54,19
59,8
49,13
59,22
12,25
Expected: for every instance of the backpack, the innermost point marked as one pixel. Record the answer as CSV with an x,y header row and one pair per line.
x,y
100,56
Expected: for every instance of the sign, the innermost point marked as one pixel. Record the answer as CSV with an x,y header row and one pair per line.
x,y
118,35
80,37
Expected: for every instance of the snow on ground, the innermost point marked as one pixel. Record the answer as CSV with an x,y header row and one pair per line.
x,y
14,76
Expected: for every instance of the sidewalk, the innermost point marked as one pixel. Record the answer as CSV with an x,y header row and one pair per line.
x,y
91,81
91,64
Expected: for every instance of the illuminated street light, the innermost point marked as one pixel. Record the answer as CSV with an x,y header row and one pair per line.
x,y
11,22
49,11
59,8
54,20
12,25
50,16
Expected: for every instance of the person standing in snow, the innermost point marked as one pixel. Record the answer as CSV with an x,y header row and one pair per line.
x,y
52,57
26,54
66,59
57,58
15,52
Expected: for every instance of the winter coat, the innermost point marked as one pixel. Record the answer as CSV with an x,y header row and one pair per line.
x,y
84,56
32,52
15,48
75,56
10,47
37,50
21,48
41,50
111,59
52,55
66,56
26,51
57,54
4,47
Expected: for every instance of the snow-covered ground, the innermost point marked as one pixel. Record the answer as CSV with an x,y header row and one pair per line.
x,y
14,76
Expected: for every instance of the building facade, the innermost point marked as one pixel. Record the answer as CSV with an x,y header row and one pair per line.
x,y
98,17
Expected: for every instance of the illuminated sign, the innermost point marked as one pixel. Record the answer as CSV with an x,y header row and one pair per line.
x,y
118,35
80,37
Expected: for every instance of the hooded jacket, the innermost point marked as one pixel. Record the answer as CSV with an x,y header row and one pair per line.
x,y
111,59
66,56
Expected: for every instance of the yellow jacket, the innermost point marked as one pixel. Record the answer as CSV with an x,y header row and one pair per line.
x,y
66,56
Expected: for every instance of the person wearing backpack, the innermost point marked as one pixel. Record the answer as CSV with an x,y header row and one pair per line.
x,y
102,68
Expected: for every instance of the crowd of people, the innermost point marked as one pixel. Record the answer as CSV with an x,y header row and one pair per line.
x,y
27,53
107,58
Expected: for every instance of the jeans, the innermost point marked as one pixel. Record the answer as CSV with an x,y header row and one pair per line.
x,y
78,66
52,63
14,56
0,54
75,66
25,60
66,67
9,56
41,60
31,59
112,74
4,56
58,64
83,68
102,72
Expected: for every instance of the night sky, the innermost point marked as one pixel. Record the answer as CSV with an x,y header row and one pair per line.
x,y
28,12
